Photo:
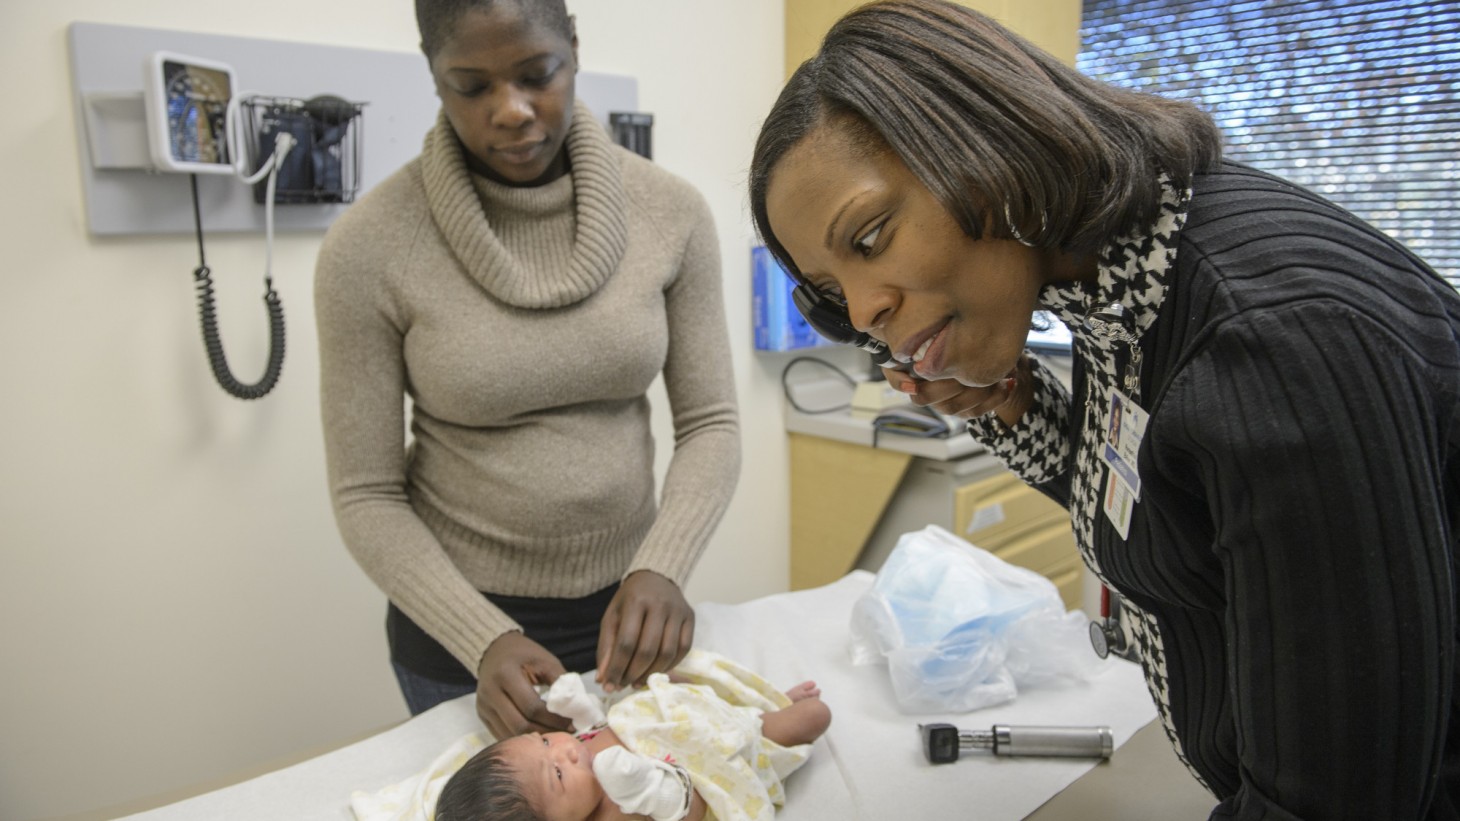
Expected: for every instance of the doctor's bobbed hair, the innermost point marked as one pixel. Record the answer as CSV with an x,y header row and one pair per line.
x,y
1011,141
436,19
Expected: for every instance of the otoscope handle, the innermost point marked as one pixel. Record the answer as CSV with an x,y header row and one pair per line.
x,y
1081,742
942,743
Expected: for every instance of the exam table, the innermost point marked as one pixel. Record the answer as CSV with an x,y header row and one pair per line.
x,y
869,765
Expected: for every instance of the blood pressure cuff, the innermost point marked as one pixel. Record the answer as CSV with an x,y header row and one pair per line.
x,y
295,182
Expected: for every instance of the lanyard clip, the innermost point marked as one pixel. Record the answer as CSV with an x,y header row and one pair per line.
x,y
1114,322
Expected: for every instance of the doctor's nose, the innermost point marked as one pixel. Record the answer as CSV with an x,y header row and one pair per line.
x,y
869,309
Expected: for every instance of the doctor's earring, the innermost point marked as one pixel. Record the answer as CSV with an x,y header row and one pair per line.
x,y
1014,231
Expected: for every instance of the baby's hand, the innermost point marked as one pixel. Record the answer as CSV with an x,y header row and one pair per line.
x,y
641,785
571,700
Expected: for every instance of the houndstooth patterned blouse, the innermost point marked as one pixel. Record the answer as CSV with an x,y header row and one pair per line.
x,y
1132,272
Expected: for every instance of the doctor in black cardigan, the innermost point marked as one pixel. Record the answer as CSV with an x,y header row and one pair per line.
x,y
1279,505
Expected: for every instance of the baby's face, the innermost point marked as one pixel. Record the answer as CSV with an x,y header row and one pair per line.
x,y
555,772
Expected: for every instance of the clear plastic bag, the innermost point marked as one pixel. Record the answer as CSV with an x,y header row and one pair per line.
x,y
960,629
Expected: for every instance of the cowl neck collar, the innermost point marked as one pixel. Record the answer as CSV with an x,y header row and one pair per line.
x,y
599,202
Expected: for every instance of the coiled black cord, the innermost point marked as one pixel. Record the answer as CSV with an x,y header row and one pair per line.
x,y
203,281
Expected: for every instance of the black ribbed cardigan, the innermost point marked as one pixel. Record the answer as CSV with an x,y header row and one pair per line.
x,y
1296,535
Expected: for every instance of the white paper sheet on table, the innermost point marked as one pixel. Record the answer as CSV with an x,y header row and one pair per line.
x,y
868,766
870,763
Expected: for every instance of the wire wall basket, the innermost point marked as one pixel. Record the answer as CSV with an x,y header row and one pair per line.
x,y
324,166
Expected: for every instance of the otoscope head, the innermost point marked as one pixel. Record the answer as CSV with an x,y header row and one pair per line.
x,y
830,320
940,743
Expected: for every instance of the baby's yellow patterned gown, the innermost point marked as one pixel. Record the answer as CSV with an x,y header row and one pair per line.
x,y
711,727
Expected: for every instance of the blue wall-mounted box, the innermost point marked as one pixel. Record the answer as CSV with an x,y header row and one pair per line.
x,y
778,325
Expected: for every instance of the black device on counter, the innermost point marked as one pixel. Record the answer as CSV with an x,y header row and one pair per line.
x,y
911,420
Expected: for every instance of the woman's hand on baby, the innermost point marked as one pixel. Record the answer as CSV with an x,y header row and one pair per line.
x,y
507,701
649,627
1008,398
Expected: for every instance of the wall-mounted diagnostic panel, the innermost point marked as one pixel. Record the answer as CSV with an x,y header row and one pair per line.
x,y
150,101
186,101
116,70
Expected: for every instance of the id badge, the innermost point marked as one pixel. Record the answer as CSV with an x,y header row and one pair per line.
x,y
1124,430
1119,504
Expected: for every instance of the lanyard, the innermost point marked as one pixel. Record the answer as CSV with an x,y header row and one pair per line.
x,y
1114,322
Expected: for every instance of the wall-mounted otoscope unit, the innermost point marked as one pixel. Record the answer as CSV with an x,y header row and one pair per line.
x,y
942,743
312,88
292,151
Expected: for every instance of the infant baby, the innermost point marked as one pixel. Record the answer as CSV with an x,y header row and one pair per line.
x,y
711,741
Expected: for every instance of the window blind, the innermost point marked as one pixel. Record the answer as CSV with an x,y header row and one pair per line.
x,y
1358,101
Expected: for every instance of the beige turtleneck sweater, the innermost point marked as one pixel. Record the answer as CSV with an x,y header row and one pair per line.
x,y
525,325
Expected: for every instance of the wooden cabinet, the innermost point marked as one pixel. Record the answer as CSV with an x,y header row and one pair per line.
x,y
850,503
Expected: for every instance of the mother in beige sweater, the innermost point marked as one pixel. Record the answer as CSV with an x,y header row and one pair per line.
x,y
523,282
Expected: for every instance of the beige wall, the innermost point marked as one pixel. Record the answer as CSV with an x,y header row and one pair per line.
x,y
175,604
1053,25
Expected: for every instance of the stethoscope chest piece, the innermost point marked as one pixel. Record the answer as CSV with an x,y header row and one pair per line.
x,y
1106,634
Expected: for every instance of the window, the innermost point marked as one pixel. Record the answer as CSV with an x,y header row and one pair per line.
x,y
1358,101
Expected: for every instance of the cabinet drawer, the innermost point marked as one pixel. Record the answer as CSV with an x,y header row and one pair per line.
x,y
993,510
1049,548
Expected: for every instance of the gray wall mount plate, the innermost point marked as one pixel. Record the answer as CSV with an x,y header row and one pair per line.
x,y
124,197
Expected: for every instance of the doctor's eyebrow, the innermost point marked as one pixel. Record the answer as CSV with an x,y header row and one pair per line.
x,y
836,220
